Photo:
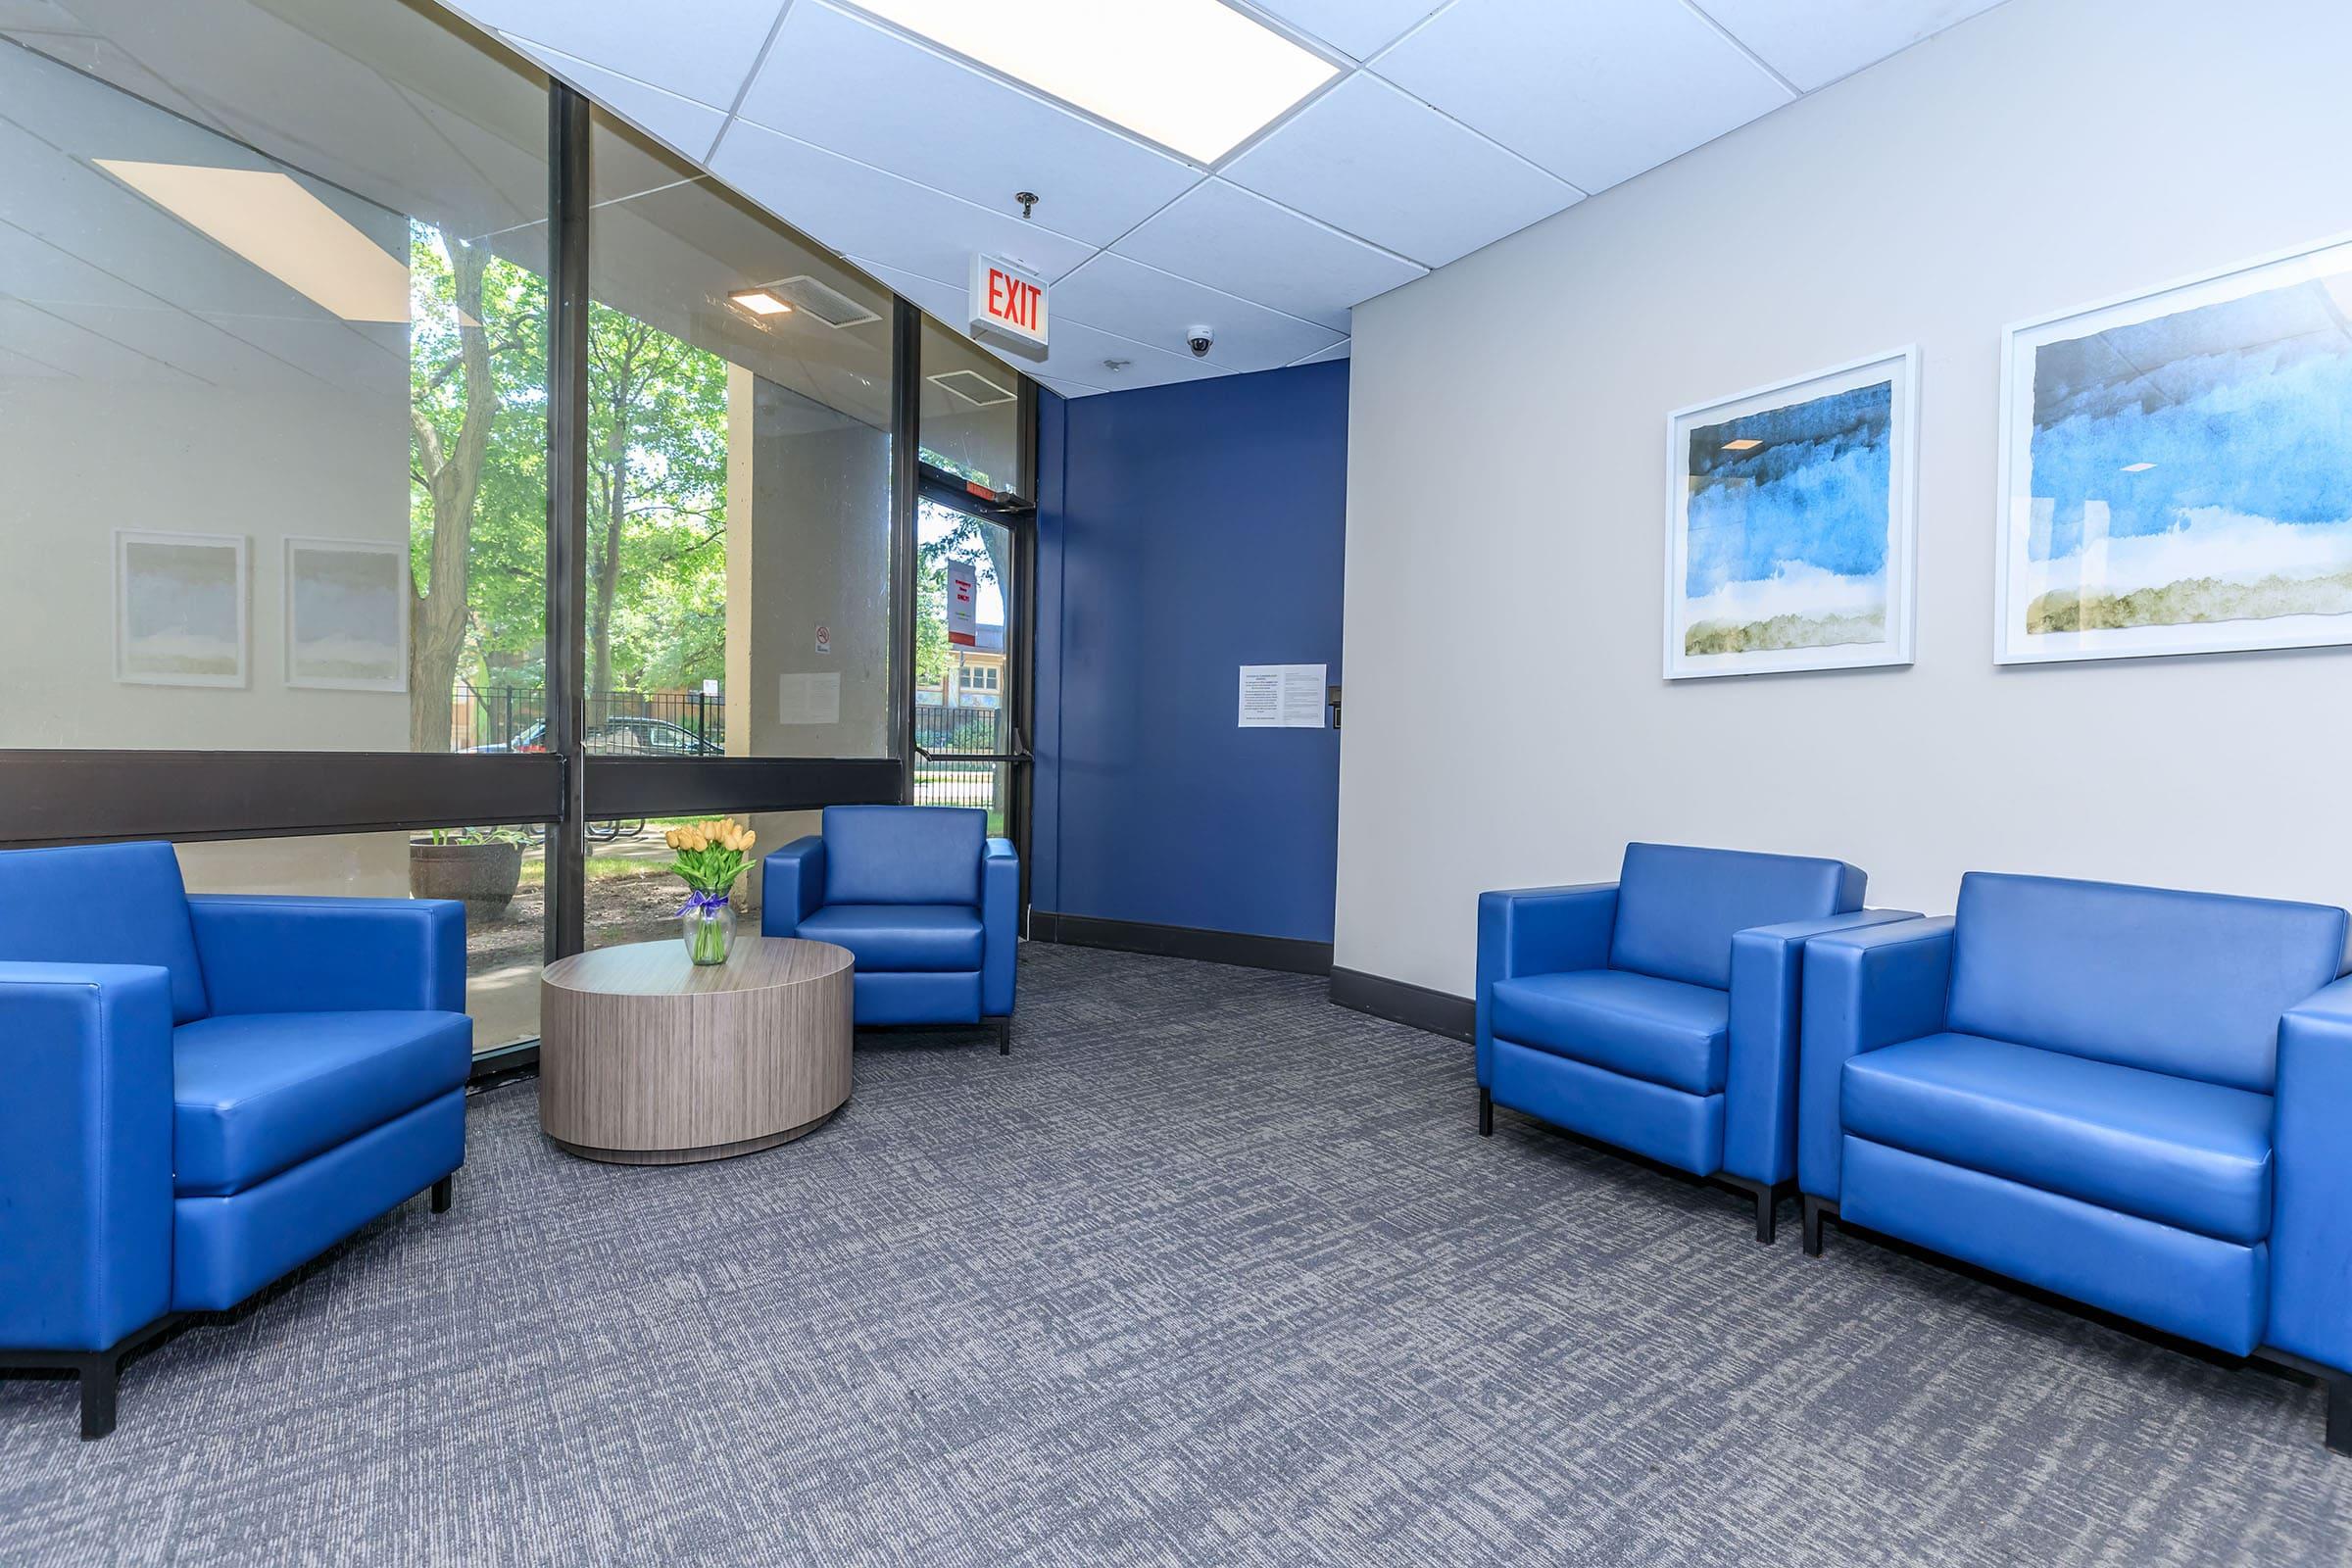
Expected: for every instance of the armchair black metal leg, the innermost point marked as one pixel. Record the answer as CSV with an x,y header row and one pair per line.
x,y
101,1376
441,1190
1004,1035
1814,1209
1768,1214
2339,1411
1486,1113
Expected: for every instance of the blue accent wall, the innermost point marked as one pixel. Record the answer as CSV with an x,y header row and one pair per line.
x,y
1184,531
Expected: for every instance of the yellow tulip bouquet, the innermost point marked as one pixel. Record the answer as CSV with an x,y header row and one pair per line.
x,y
711,858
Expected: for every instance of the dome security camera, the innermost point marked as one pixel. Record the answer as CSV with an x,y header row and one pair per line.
x,y
1199,339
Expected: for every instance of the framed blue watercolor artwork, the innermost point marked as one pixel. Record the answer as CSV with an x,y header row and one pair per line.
x,y
2176,468
1790,524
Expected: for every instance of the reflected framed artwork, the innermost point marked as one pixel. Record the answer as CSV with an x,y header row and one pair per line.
x,y
2176,468
347,615
1790,524
181,609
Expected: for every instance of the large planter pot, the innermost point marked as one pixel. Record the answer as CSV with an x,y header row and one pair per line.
x,y
483,876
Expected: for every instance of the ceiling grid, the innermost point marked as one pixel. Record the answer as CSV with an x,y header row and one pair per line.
x,y
1442,128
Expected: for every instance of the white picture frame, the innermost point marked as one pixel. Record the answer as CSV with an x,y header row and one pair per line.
x,y
2207,570
182,611
346,604
1765,610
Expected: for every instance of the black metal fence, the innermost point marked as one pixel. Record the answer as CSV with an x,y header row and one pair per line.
x,y
942,780
619,722
692,723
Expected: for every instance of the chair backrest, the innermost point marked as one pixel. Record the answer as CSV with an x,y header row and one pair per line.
x,y
903,854
1677,907
102,904
2190,984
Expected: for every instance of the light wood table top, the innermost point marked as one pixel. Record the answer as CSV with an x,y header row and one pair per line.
x,y
662,969
646,1058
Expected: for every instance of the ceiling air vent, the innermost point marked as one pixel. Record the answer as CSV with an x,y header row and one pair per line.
x,y
972,387
822,301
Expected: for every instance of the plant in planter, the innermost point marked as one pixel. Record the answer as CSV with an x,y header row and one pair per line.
x,y
481,867
712,857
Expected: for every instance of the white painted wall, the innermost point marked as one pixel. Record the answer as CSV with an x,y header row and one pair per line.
x,y
1508,492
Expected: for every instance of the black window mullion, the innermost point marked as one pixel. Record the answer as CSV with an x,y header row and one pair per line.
x,y
567,212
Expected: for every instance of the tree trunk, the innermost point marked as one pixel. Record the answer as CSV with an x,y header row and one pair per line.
x,y
453,476
621,388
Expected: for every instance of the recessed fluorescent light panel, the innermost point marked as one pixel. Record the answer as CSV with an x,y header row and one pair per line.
x,y
971,387
280,228
1192,75
1747,444
759,302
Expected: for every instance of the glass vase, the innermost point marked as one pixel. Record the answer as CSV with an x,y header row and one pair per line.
x,y
709,931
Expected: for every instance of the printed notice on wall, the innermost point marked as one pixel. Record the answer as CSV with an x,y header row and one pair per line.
x,y
808,699
1282,696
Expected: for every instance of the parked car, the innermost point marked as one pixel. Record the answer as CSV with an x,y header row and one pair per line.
x,y
620,736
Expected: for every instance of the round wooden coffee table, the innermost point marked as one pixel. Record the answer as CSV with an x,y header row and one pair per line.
x,y
644,1059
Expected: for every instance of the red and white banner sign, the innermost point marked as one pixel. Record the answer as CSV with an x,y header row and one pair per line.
x,y
963,604
1009,301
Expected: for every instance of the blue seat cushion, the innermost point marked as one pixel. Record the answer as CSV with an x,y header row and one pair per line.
x,y
900,938
2177,1151
1661,1031
256,1093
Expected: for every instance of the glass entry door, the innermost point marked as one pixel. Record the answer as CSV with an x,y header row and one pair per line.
x,y
969,734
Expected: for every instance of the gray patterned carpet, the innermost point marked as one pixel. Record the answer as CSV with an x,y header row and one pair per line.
x,y
1206,1272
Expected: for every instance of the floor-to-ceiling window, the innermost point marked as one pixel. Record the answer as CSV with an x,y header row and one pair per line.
x,y
738,513
272,415
281,417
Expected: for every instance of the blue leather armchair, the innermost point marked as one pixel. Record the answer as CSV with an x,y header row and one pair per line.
x,y
2134,1098
205,1093
1659,1013
925,902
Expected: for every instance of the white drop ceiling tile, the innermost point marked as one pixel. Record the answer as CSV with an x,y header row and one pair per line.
x,y
1596,91
1814,42
200,348
1078,350
1234,241
17,367
680,123
1086,354
356,359
1379,163
954,128
862,210
48,338
1068,389
942,298
1157,307
1358,27
704,54
1337,350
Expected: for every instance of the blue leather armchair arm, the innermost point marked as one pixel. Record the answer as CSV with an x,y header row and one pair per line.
x,y
298,954
85,1153
1000,907
1862,990
2311,1217
1759,1123
792,886
1538,931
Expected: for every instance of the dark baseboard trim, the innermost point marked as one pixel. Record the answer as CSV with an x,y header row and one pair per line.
x,y
1288,955
1441,1013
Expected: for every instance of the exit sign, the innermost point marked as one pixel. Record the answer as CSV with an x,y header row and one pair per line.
x,y
1009,301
